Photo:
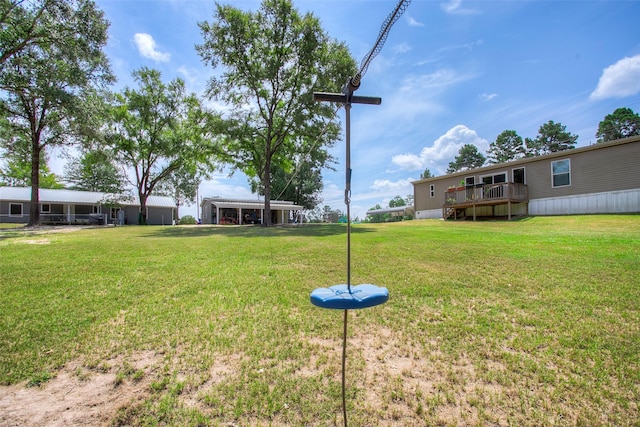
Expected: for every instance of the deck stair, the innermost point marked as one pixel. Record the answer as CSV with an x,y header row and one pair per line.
x,y
453,213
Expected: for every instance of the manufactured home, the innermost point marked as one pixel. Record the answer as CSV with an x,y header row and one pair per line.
x,y
218,210
82,207
600,178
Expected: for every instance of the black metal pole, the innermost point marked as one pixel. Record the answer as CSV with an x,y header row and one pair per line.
x,y
344,364
347,191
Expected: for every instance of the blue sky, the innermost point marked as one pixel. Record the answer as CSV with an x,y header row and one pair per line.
x,y
450,73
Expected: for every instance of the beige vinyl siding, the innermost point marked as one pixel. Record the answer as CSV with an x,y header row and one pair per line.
x,y
424,202
595,171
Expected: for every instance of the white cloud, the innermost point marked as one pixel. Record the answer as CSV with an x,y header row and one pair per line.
x,y
387,186
488,96
410,161
619,80
147,48
454,7
223,184
463,46
402,48
186,73
437,79
443,150
413,22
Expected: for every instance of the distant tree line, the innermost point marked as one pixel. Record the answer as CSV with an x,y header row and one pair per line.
x,y
397,201
552,137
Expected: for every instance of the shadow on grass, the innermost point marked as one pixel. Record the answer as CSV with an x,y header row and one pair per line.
x,y
311,230
514,218
22,230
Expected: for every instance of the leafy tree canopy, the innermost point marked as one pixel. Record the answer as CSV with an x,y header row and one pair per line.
x,y
552,137
16,168
507,147
426,174
468,158
182,185
95,170
27,23
303,185
377,217
331,215
622,123
273,60
396,202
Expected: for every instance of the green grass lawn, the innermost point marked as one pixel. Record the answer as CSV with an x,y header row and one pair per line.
x,y
530,322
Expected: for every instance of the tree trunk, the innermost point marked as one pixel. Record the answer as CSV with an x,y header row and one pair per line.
x,y
142,215
266,184
34,208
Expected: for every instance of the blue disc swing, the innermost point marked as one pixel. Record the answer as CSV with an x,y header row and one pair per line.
x,y
344,296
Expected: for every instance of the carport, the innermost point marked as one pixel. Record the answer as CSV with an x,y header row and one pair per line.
x,y
218,210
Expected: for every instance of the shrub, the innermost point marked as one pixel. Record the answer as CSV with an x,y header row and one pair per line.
x,y
187,219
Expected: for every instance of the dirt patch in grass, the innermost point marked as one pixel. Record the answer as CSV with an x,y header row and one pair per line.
x,y
78,395
404,384
35,241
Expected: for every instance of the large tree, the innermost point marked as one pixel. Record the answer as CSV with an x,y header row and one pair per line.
x,y
507,147
622,123
272,60
468,158
95,170
45,82
159,129
552,137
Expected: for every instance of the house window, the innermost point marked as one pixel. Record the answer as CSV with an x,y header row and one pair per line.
x,y
432,191
46,208
15,209
518,176
470,181
494,179
561,173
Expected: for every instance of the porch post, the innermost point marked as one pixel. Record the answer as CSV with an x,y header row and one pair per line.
x,y
217,214
69,214
239,216
509,209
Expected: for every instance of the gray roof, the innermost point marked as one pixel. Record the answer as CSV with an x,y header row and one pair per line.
x,y
396,209
47,195
251,204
